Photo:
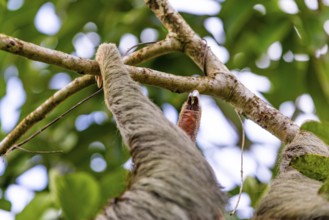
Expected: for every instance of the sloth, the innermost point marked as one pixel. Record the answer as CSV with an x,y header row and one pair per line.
x,y
170,178
293,196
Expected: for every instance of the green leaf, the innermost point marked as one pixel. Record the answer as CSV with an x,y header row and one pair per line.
x,y
242,11
286,84
249,186
312,166
320,129
78,195
2,4
5,205
37,207
113,184
324,190
318,86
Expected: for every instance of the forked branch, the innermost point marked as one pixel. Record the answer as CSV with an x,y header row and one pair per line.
x,y
219,82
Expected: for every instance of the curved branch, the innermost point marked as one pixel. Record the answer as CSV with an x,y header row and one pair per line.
x,y
195,47
156,49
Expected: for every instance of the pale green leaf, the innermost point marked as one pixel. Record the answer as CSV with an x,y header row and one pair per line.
x,y
77,194
320,129
36,208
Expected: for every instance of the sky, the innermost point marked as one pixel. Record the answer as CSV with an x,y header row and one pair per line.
x,y
215,130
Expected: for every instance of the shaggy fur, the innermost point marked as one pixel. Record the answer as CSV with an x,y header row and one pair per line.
x,y
170,178
293,196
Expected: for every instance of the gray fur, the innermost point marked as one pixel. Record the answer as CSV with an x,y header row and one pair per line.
x,y
293,195
170,178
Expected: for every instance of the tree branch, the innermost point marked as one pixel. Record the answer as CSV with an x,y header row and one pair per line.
x,y
193,46
35,52
223,83
81,65
170,44
219,82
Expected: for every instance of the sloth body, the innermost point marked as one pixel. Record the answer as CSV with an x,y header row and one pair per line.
x,y
170,178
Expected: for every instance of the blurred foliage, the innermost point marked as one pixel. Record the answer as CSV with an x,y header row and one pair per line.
x,y
77,194
250,29
320,129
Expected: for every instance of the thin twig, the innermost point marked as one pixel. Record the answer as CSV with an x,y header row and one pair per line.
x,y
137,45
46,107
241,165
18,146
33,151
58,118
159,48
